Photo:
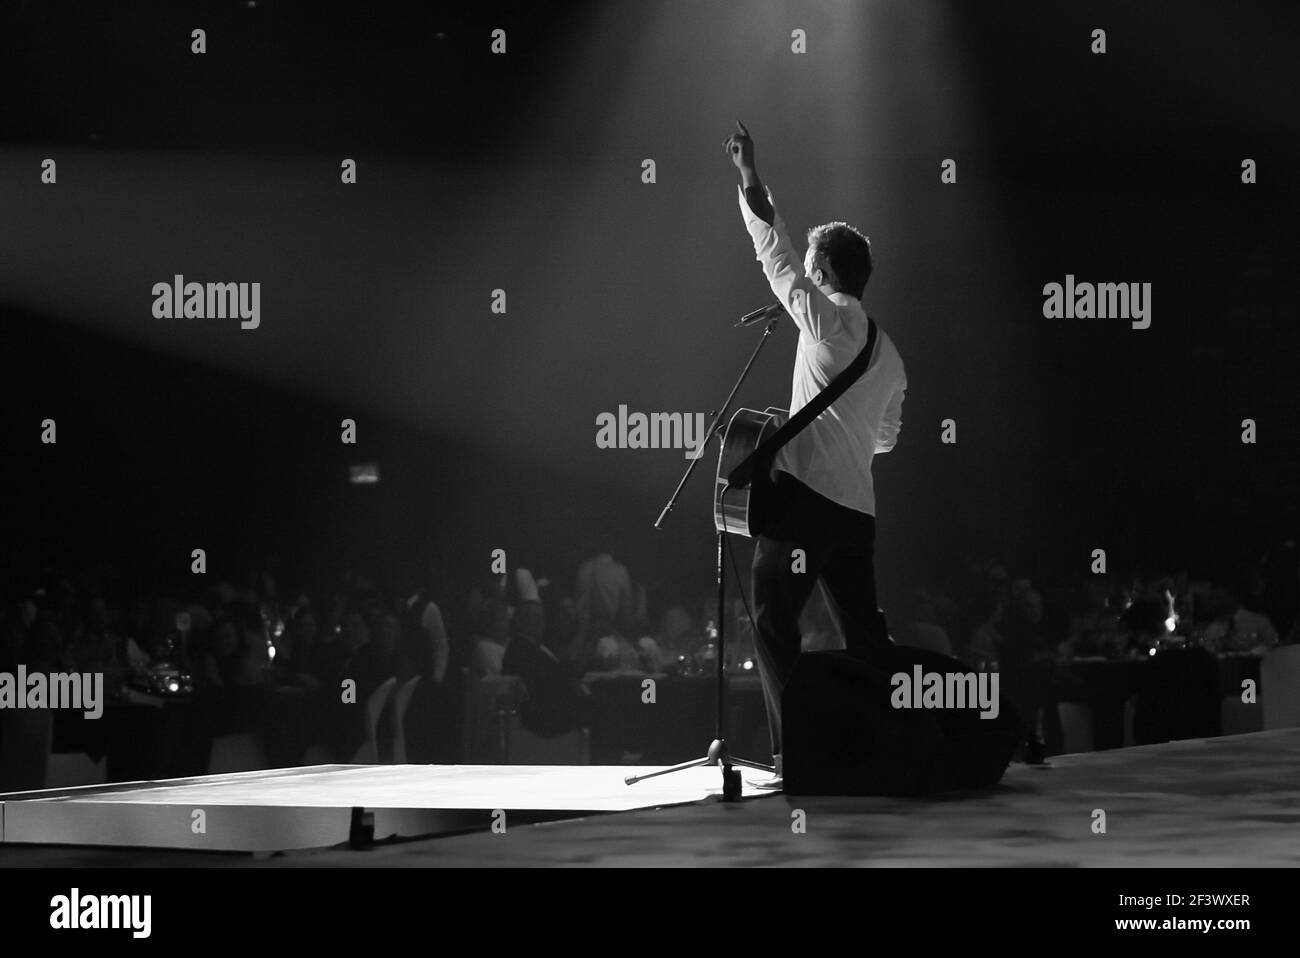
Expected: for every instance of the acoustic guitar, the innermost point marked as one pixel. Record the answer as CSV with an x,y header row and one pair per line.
x,y
745,511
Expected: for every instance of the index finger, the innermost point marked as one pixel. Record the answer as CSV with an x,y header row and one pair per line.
x,y
741,127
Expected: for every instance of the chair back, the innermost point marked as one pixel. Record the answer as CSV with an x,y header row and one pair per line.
x,y
401,703
368,753
486,700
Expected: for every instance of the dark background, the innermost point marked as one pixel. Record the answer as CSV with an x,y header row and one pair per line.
x,y
523,172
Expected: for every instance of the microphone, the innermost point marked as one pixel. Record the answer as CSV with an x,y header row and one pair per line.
x,y
760,315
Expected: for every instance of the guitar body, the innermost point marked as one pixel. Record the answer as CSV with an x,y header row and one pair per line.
x,y
745,511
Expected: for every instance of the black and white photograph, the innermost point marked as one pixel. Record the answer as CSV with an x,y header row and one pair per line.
x,y
679,436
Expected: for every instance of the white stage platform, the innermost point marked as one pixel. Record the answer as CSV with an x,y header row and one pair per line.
x,y
315,807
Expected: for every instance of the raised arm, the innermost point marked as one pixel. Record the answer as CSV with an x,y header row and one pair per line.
x,y
741,147
784,269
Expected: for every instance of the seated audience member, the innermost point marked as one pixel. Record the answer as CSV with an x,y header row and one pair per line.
x,y
200,622
351,636
986,637
297,721
1180,696
1023,639
1026,660
1251,632
435,719
222,660
678,635
649,654
1145,624
1225,625
425,636
163,637
380,658
566,635
94,648
924,631
555,701
236,655
1092,627
615,653
491,637
299,655
255,657
615,650
604,596
349,659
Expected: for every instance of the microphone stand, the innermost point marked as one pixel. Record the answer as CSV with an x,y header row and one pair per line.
x,y
718,753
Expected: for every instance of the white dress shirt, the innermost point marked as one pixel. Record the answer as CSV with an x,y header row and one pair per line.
x,y
833,454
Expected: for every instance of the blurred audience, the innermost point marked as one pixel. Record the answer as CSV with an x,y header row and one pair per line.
x,y
243,637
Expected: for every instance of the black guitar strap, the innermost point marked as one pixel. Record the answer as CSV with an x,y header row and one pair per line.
x,y
743,474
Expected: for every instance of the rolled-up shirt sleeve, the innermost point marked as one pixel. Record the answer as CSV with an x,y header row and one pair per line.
x,y
784,271
891,423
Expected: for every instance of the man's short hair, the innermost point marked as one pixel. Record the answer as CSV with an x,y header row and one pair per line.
x,y
847,251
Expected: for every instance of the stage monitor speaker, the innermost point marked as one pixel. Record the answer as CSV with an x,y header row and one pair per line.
x,y
842,736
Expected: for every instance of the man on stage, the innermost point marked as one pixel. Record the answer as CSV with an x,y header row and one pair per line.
x,y
825,503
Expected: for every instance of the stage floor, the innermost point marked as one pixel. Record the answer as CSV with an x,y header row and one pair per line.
x,y
1224,802
298,808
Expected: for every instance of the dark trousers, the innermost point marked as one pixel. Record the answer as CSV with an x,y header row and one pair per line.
x,y
837,544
